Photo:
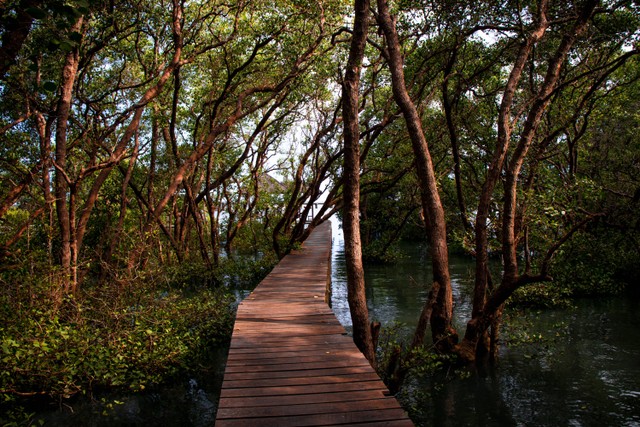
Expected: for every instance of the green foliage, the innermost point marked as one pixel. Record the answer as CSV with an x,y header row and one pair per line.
x,y
390,207
425,362
17,415
541,295
596,263
239,271
407,371
134,332
516,332
381,252
600,262
393,355
103,339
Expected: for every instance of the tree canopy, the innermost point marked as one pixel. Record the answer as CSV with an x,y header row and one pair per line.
x,y
137,134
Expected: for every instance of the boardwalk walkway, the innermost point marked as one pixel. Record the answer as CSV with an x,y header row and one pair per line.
x,y
290,361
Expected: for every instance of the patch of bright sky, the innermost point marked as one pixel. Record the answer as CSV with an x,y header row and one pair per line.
x,y
487,37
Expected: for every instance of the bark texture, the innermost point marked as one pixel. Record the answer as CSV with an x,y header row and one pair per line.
x,y
487,308
443,333
351,221
63,202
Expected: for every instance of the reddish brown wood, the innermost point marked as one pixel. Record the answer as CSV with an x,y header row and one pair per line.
x,y
352,417
302,358
290,392
316,351
343,396
319,408
304,380
290,361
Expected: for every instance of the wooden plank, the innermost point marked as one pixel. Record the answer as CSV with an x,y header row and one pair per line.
x,y
265,321
305,380
262,351
299,366
291,409
303,389
261,328
342,396
231,376
287,316
341,418
258,340
280,359
290,362
291,352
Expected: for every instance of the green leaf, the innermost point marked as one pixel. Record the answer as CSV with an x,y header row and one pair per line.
x,y
36,13
50,86
67,46
75,37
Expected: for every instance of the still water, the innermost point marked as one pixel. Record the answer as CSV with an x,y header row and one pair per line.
x,y
583,370
581,367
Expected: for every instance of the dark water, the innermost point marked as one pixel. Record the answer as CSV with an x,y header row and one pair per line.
x,y
580,367
189,402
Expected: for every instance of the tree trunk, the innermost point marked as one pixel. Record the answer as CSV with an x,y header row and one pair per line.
x,y
44,128
116,235
443,333
213,210
17,27
476,328
534,117
486,311
351,222
69,73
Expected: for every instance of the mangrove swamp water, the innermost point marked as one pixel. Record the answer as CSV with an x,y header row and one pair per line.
x,y
189,402
581,367
576,367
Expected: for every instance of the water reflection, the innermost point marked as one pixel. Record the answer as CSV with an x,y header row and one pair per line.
x,y
586,372
339,302
396,293
587,375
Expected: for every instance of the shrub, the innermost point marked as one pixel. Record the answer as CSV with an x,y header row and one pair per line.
x,y
98,339
591,263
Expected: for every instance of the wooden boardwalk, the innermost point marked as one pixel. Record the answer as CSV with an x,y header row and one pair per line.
x,y
290,361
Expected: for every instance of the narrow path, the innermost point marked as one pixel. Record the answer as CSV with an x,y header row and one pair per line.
x,y
290,361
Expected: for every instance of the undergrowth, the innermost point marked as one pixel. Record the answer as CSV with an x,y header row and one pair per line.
x,y
129,335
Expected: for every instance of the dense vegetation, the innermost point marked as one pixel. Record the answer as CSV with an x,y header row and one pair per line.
x,y
138,139
149,151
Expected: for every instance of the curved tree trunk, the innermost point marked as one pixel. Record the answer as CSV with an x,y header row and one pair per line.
x,y
453,139
487,310
351,222
443,333
16,29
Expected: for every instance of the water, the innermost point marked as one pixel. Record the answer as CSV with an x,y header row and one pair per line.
x,y
396,293
188,402
580,368
584,371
